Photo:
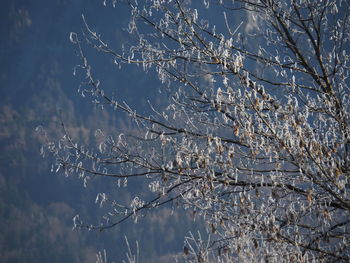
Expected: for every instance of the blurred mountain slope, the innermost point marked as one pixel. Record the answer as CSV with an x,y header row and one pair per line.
x,y
36,82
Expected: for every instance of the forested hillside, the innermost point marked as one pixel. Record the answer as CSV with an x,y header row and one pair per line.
x,y
38,88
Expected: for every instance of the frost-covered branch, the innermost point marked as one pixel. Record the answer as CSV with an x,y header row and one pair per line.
x,y
255,136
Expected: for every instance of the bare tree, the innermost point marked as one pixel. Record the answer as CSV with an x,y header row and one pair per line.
x,y
255,137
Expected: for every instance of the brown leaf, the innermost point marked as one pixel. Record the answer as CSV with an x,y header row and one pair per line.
x,y
186,251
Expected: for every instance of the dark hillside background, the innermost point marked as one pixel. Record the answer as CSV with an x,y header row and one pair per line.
x,y
36,81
